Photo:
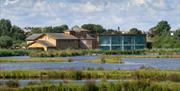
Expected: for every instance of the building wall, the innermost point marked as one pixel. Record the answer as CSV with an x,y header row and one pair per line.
x,y
88,43
29,42
48,38
37,46
122,42
85,44
64,44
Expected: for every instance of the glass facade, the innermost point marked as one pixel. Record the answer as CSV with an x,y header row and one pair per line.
x,y
122,42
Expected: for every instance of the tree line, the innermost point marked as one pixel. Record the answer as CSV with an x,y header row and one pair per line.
x,y
12,36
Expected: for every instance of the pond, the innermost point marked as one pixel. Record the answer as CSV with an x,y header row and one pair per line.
x,y
28,82
129,64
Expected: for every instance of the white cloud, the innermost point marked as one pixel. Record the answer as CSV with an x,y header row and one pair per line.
x,y
42,8
87,7
140,1
109,13
9,2
116,19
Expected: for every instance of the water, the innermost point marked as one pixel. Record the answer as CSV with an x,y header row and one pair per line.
x,y
27,82
129,64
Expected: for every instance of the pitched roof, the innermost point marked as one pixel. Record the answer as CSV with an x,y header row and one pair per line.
x,y
61,36
88,37
45,43
77,29
53,35
33,37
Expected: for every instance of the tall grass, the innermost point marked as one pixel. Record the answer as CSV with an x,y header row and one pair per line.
x,y
58,53
143,85
68,52
106,59
9,52
34,60
141,74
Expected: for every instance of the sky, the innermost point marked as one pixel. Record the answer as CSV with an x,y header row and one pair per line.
x,y
141,14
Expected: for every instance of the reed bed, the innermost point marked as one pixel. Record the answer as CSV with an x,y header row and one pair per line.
x,y
10,52
54,59
141,74
106,59
159,53
142,85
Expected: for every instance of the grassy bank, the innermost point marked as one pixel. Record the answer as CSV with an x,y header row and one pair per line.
x,y
68,52
34,60
171,53
10,52
57,53
151,56
106,59
143,85
151,74
71,52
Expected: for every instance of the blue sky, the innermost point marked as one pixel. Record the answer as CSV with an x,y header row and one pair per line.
x,y
142,14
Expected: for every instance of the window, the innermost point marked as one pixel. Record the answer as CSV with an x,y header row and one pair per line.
x,y
104,47
128,47
139,39
116,48
116,40
139,47
104,40
128,39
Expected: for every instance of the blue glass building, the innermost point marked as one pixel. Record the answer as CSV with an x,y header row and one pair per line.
x,y
122,42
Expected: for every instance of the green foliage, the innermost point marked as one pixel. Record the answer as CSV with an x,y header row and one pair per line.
x,y
161,27
94,28
111,31
9,33
17,33
50,29
103,60
142,85
5,27
106,59
33,60
177,34
12,84
134,31
166,41
63,53
9,52
36,30
141,74
160,35
57,53
91,86
5,42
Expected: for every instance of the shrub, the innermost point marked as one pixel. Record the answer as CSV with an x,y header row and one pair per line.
x,y
91,86
70,60
12,84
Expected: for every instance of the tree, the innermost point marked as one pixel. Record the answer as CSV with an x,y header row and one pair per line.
x,y
5,42
177,34
111,31
36,30
166,41
5,27
160,28
60,29
94,28
17,33
50,29
134,31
